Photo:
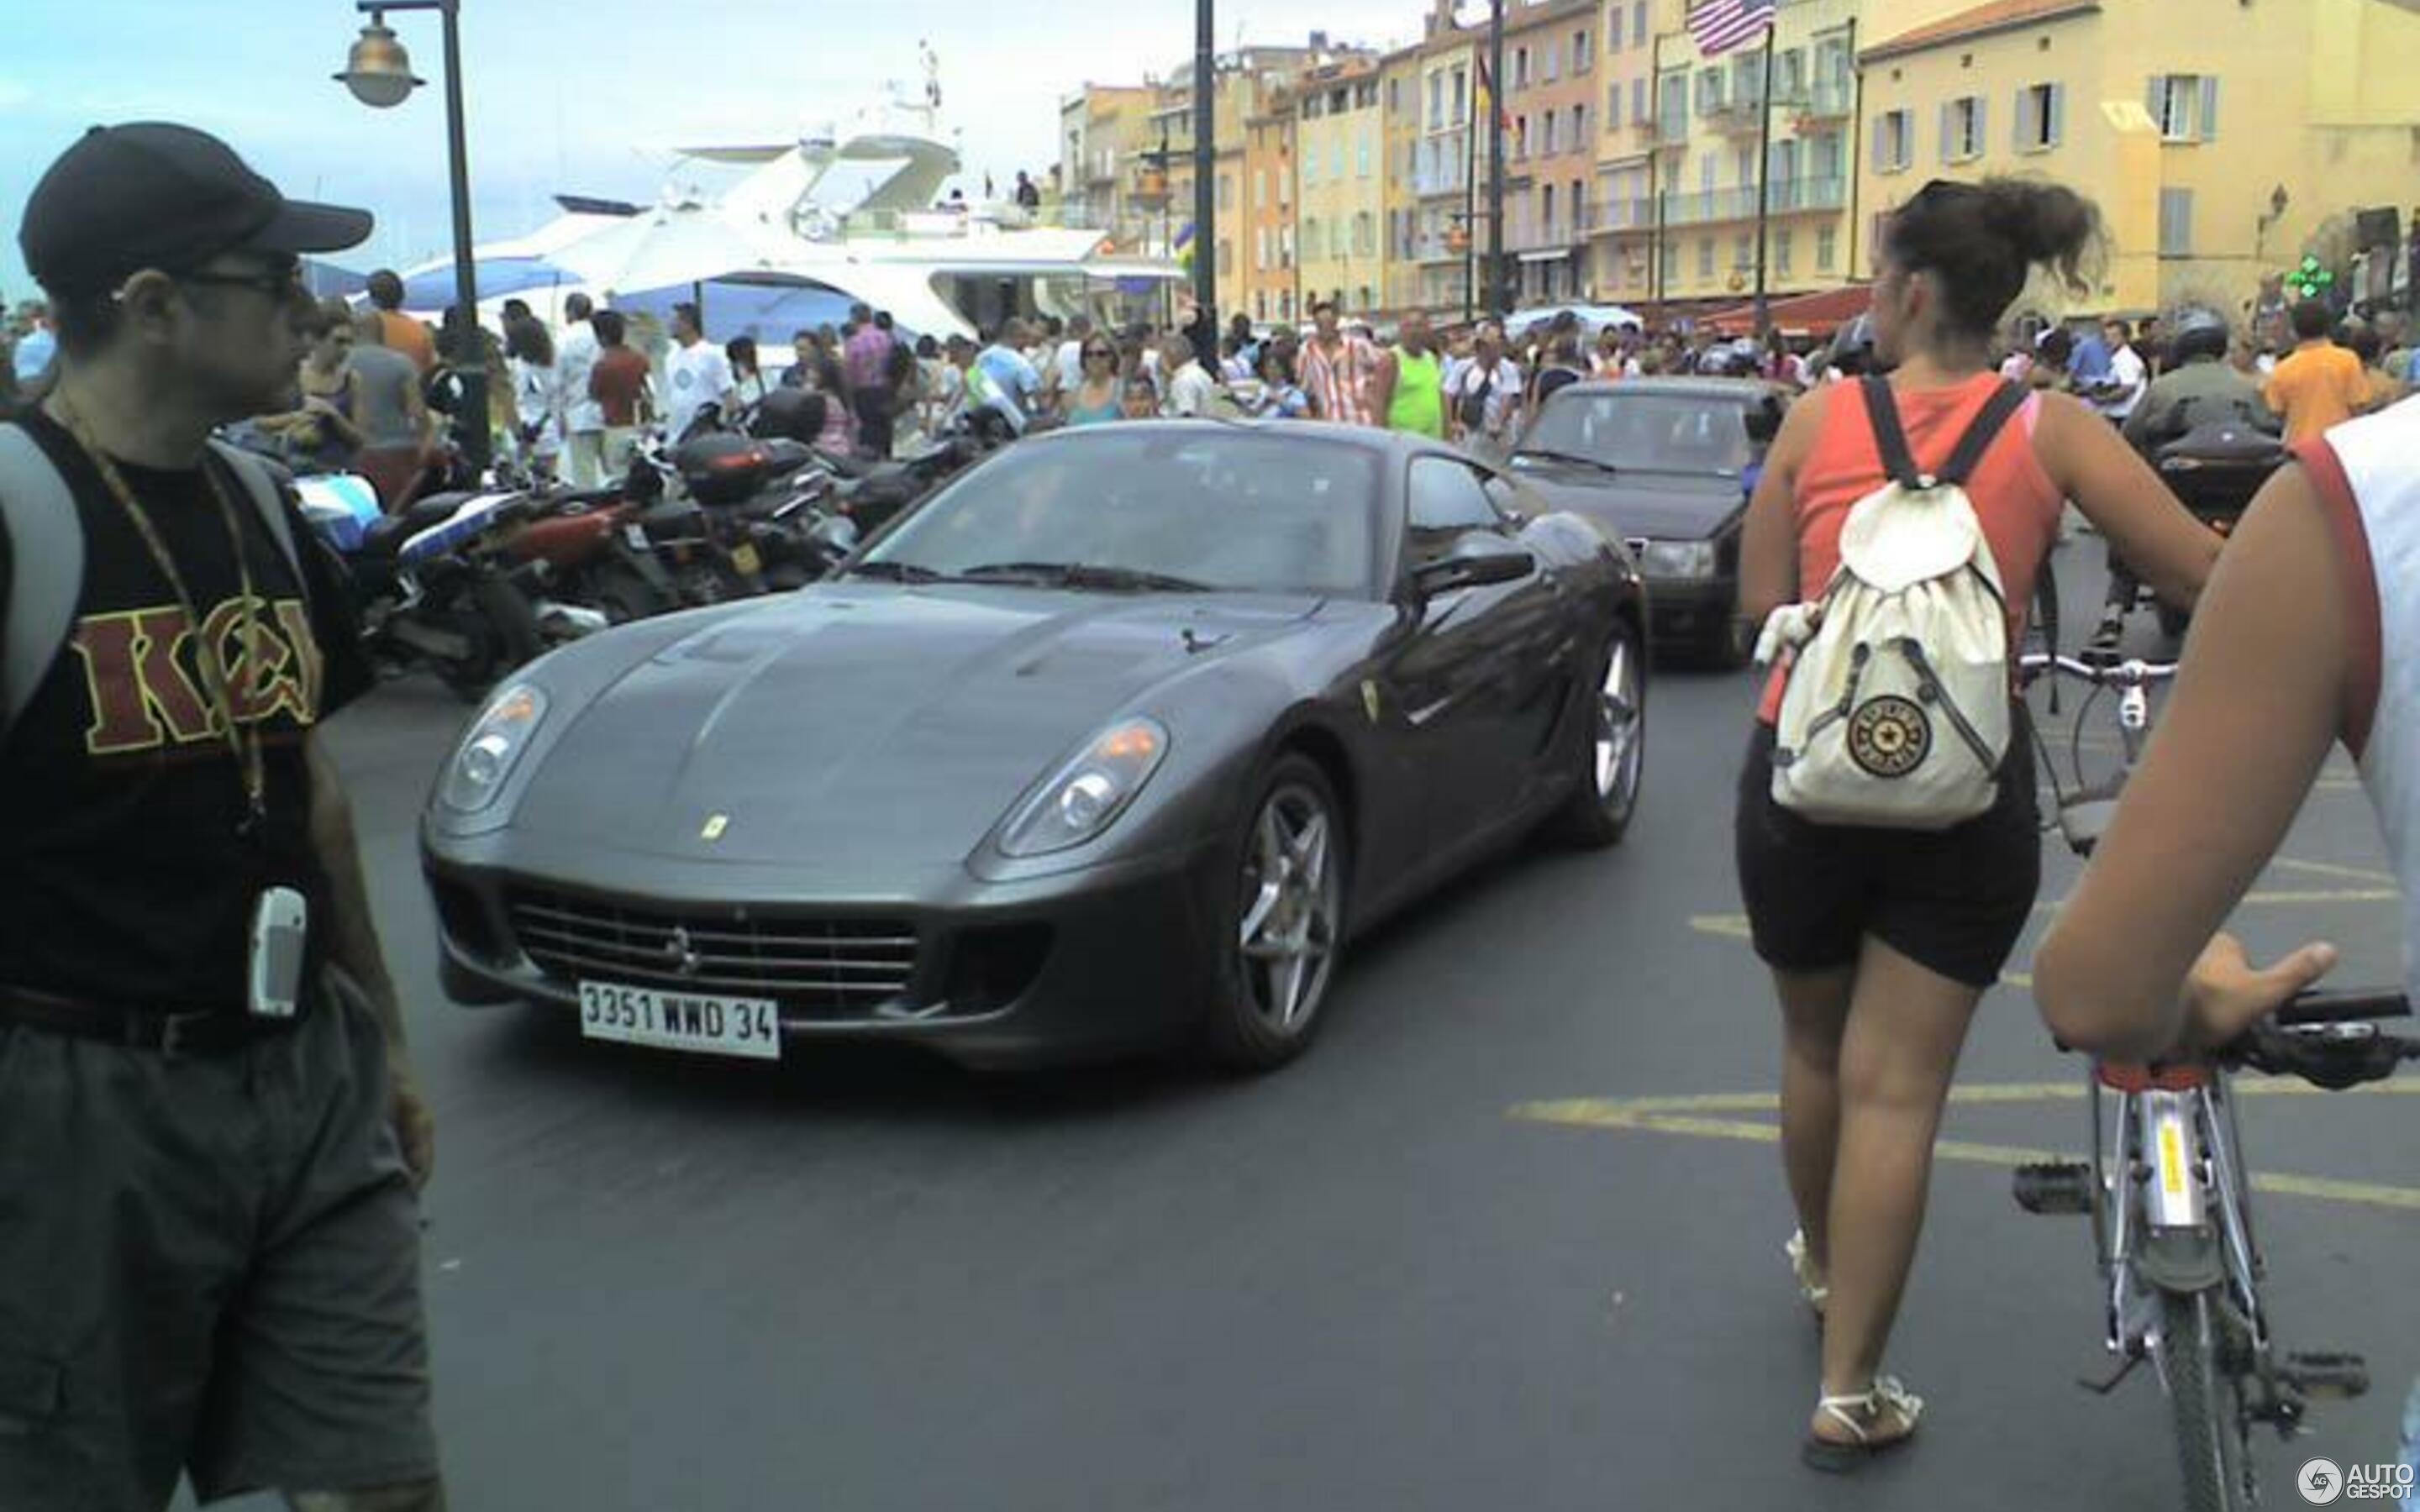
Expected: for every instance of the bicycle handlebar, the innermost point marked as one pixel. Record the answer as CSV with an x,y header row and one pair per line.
x,y
2345,1006
2128,673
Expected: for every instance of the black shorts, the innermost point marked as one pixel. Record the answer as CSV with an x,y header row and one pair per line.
x,y
1953,901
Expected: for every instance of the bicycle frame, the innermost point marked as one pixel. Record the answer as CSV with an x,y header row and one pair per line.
x,y
2172,1212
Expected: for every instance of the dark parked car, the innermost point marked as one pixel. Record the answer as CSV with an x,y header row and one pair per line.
x,y
1113,743
1667,465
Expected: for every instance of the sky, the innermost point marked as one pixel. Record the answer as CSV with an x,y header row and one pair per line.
x,y
580,98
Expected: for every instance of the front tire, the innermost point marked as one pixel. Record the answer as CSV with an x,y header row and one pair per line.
x,y
1611,754
2201,1396
1284,930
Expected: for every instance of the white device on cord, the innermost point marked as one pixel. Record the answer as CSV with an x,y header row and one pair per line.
x,y
281,922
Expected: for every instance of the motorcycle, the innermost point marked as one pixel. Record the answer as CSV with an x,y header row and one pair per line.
x,y
2215,469
433,586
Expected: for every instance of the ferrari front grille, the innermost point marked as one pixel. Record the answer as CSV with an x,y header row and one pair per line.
x,y
822,964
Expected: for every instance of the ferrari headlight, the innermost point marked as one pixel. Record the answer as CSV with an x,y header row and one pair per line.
x,y
1678,558
1085,796
494,744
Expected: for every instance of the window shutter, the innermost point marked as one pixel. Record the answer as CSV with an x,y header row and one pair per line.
x,y
2021,138
1981,141
2210,108
1945,131
2155,99
2057,114
1881,157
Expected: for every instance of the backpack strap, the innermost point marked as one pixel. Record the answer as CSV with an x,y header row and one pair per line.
x,y
1997,411
1890,438
45,577
262,485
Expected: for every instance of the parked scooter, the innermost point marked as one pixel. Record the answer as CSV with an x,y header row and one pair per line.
x,y
2214,469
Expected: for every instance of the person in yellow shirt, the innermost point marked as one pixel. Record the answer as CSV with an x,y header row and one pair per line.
x,y
2319,384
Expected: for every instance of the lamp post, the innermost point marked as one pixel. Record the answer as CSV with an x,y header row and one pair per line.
x,y
378,73
1205,167
1497,303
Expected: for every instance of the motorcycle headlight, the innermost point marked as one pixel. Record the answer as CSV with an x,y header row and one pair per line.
x,y
1678,558
1085,796
494,744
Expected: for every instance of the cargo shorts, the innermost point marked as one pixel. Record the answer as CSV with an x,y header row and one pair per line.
x,y
209,1264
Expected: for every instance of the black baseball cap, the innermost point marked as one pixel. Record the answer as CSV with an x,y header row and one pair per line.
x,y
150,194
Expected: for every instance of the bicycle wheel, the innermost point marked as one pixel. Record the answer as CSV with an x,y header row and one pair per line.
x,y
2203,1399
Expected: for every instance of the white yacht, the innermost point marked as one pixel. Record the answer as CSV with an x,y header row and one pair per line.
x,y
811,226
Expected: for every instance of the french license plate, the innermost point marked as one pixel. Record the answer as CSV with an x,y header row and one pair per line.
x,y
745,558
663,1020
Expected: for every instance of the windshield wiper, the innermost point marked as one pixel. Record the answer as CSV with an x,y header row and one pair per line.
x,y
1573,458
904,572
1080,575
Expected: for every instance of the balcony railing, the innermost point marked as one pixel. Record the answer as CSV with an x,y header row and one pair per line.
x,y
1787,195
1673,132
1448,179
1737,114
1827,99
1622,214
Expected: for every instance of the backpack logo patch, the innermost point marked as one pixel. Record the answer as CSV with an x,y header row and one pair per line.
x,y
1889,737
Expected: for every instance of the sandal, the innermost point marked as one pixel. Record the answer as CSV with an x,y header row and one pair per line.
x,y
1812,1290
1860,1414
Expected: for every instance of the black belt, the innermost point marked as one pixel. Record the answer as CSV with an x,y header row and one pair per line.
x,y
209,1031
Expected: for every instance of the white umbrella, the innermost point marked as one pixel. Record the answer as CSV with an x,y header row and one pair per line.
x,y
671,245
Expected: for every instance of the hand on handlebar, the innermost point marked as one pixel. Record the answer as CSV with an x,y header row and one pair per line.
x,y
2226,993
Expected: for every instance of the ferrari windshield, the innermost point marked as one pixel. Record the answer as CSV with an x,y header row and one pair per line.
x,y
1644,432
1209,507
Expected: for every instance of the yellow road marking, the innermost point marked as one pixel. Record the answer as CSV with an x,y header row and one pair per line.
x,y
2324,869
1686,1116
1734,926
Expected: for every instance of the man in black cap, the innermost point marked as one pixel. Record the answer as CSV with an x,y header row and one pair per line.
x,y
209,1145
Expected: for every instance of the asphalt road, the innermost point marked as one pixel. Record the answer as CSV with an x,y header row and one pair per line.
x,y
1378,1279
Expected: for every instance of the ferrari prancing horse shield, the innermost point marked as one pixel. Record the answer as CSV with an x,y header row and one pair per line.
x,y
1888,736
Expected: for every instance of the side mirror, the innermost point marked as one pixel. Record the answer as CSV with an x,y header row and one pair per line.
x,y
1469,566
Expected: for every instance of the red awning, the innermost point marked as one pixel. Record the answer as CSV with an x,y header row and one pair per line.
x,y
1815,313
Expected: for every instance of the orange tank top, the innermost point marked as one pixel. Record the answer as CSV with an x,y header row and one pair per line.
x,y
2019,505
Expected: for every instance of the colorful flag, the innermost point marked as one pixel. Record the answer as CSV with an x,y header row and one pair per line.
x,y
1486,104
1719,25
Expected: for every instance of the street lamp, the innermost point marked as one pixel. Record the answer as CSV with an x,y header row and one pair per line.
x,y
379,73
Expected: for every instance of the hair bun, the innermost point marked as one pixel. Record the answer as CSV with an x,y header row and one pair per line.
x,y
2045,223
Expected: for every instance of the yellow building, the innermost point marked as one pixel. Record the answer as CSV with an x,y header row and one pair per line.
x,y
1441,175
1267,286
1340,184
1102,131
1697,190
1399,104
2220,139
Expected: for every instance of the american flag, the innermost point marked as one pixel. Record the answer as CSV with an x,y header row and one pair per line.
x,y
1719,25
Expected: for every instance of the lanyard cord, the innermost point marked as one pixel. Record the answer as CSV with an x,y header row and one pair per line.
x,y
218,681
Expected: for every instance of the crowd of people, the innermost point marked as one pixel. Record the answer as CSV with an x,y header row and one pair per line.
x,y
168,1069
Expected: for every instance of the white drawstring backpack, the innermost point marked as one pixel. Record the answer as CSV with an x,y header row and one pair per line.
x,y
1896,714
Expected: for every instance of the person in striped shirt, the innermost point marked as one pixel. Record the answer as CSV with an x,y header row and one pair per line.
x,y
1336,369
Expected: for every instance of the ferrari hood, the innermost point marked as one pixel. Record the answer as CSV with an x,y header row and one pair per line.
x,y
864,719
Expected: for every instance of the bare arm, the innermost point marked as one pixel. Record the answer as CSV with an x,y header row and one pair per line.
x,y
2259,702
1769,538
352,943
1382,388
2124,499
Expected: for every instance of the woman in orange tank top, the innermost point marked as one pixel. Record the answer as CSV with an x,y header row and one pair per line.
x,y
1881,941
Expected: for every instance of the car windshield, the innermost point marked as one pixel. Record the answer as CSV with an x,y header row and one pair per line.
x,y
1217,508
1645,432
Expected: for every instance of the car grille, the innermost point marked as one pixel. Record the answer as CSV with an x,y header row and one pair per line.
x,y
820,965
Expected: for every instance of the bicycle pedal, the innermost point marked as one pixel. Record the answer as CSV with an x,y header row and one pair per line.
x,y
2054,1187
2340,1376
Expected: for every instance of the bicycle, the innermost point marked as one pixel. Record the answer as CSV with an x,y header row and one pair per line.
x,y
2167,1189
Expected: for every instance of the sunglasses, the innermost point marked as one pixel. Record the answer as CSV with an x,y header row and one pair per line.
x,y
1098,352
280,284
